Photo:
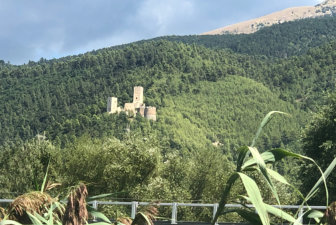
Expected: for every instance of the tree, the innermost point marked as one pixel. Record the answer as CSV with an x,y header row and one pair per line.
x,y
319,143
23,166
110,165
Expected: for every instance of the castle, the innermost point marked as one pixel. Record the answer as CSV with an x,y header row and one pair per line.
x,y
137,106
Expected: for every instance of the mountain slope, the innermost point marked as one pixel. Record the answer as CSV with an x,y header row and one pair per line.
x,y
280,40
62,96
227,113
66,98
328,7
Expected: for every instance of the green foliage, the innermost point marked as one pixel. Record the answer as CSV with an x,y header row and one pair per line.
x,y
192,120
23,166
49,218
109,165
257,163
66,97
319,144
280,40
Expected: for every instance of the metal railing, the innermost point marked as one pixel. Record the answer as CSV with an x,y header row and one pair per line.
x,y
134,205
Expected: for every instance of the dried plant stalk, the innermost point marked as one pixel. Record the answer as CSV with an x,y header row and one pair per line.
x,y
330,214
33,202
145,217
2,213
76,212
125,221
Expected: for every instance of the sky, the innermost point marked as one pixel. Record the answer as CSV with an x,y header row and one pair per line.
x,y
35,29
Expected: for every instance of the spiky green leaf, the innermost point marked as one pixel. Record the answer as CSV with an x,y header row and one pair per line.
x,y
96,197
255,197
249,216
268,157
45,178
99,215
262,166
225,195
34,219
276,211
9,222
279,213
277,176
323,178
264,122
243,154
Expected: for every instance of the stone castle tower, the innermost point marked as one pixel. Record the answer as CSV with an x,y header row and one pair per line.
x,y
137,106
150,113
112,105
138,96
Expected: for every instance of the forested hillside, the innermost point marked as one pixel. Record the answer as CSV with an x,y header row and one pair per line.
x,y
220,112
209,102
64,97
281,40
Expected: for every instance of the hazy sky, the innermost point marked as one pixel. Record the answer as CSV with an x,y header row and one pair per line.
x,y
31,29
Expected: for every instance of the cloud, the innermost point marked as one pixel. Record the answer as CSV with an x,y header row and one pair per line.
x,y
161,17
38,28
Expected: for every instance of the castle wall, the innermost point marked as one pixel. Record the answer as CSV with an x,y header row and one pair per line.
x,y
112,105
150,113
129,108
142,110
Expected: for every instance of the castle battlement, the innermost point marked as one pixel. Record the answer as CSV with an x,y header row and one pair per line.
x,y
131,109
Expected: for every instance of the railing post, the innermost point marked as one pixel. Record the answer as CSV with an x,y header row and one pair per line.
x,y
134,209
174,213
301,215
215,208
95,206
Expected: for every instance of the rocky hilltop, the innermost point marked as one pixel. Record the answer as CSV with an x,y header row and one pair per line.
x,y
328,7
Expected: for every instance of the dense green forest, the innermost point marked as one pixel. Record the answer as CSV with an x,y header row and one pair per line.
x,y
211,93
280,40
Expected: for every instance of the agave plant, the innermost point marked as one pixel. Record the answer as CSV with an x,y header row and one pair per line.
x,y
250,159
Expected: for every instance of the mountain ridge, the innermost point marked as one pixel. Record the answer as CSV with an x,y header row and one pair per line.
x,y
328,7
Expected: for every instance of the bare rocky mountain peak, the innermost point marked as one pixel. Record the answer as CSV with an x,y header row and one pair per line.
x,y
328,7
327,3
